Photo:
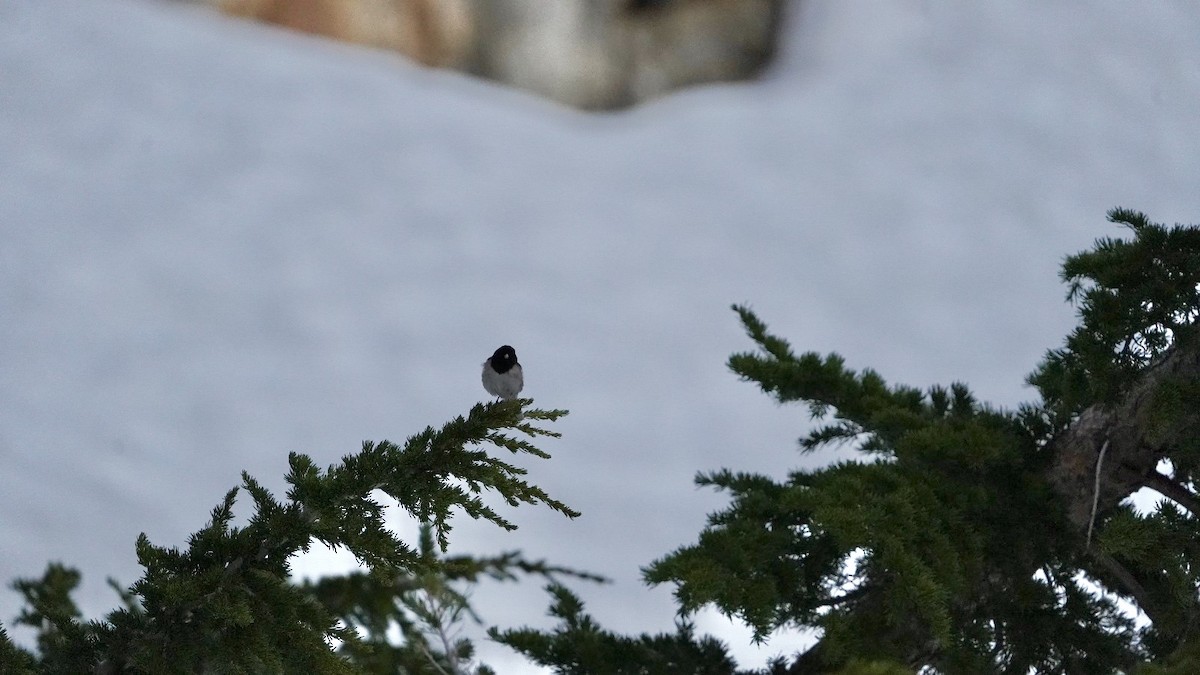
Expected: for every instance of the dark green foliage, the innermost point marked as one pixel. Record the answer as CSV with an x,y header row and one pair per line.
x,y
226,605
949,543
1160,549
1135,296
1183,661
943,545
50,610
923,554
578,646
13,659
858,667
424,607
1139,298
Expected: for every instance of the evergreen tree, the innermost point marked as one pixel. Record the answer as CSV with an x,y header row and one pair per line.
x,y
964,538
582,646
427,609
961,538
226,604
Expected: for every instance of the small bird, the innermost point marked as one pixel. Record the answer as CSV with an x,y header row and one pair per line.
x,y
502,374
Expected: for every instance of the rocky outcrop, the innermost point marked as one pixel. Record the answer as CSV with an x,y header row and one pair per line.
x,y
592,54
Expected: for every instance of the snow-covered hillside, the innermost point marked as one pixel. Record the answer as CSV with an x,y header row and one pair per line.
x,y
220,243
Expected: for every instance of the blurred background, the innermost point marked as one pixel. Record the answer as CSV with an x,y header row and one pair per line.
x,y
222,240
593,54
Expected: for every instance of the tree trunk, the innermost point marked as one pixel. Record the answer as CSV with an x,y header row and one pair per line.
x,y
1139,433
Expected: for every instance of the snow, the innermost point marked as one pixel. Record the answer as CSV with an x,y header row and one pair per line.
x,y
221,242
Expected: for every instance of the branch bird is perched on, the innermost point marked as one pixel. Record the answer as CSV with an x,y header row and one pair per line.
x,y
502,375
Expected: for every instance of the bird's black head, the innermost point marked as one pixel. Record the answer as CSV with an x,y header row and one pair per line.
x,y
504,359
644,5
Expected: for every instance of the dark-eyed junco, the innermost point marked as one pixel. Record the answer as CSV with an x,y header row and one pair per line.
x,y
502,374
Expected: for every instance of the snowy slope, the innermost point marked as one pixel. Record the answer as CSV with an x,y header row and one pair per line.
x,y
220,243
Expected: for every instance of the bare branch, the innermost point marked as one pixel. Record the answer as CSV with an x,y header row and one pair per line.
x,y
1096,493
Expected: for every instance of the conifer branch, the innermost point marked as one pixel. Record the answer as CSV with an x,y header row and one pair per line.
x,y
1142,428
1172,490
847,597
862,403
226,599
1129,583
